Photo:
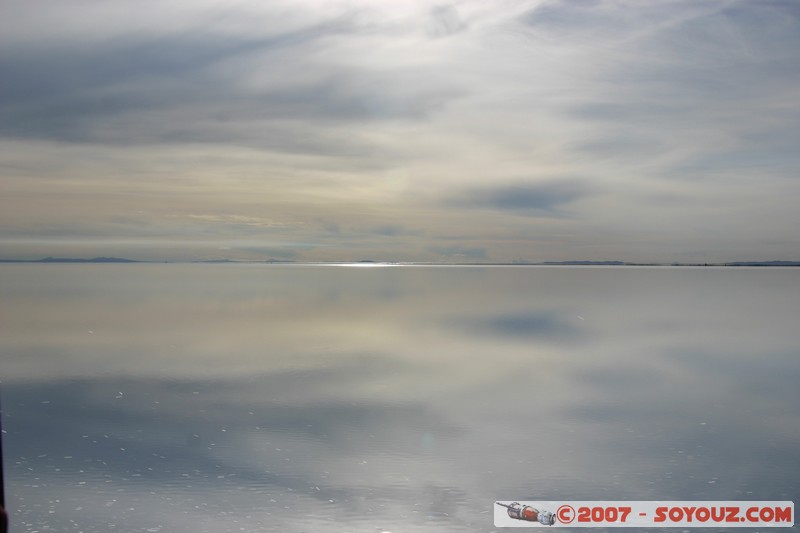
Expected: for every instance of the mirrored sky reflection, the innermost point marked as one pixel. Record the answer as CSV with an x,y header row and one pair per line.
x,y
203,398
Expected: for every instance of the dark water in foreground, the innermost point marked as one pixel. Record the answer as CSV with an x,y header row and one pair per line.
x,y
204,398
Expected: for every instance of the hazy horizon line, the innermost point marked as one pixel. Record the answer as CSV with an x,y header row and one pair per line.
x,y
368,262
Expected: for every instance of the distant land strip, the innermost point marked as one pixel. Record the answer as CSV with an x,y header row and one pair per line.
x,y
373,262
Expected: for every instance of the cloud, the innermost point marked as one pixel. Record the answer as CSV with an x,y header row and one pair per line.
x,y
395,230
446,21
352,112
269,92
702,85
463,252
528,199
240,220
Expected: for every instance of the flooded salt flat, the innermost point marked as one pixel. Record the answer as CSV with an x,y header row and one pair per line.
x,y
298,398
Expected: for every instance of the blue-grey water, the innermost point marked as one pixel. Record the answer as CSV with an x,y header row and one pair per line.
x,y
288,398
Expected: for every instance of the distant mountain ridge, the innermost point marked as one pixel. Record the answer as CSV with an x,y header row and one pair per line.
x,y
92,260
774,263
588,263
71,260
764,263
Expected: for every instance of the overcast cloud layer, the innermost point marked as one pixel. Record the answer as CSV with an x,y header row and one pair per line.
x,y
399,130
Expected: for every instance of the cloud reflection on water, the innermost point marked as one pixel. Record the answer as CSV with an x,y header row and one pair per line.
x,y
221,397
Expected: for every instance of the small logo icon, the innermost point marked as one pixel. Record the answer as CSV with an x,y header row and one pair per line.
x,y
527,513
565,514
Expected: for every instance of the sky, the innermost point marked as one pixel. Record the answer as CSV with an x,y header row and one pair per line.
x,y
467,131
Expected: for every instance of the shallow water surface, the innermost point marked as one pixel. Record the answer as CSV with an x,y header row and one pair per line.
x,y
292,398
